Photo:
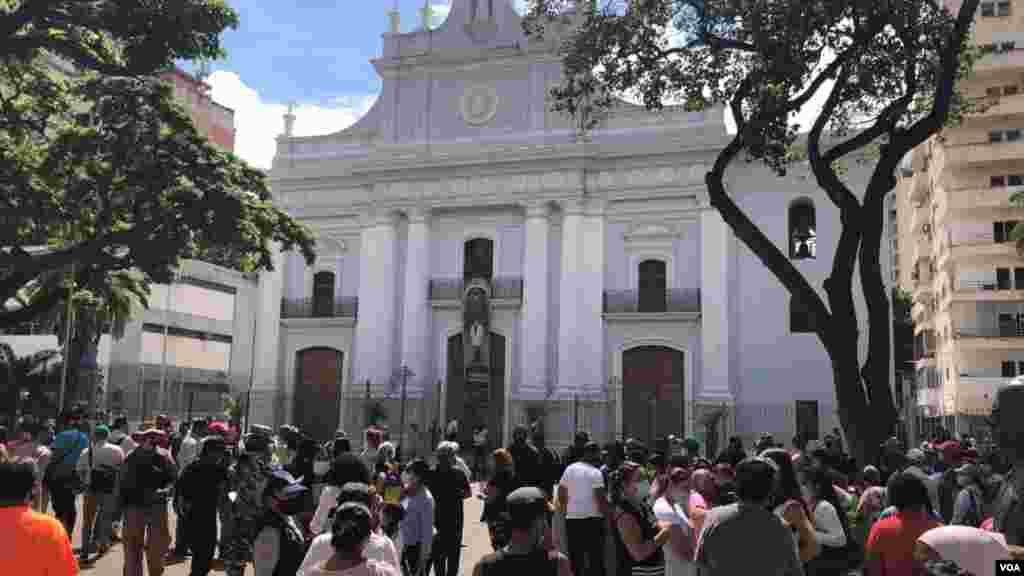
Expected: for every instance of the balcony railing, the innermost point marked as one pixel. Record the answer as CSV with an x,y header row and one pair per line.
x,y
450,289
1014,330
308,308
685,300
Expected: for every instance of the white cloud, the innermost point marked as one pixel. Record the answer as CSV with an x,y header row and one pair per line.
x,y
258,121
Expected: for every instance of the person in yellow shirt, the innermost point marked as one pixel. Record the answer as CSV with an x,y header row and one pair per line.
x,y
33,543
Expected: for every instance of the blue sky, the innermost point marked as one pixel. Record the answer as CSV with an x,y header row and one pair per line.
x,y
315,53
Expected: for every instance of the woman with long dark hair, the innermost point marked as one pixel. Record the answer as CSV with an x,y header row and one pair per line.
x,y
350,532
831,529
788,504
501,483
638,534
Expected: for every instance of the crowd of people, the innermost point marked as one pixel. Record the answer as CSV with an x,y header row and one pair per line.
x,y
289,504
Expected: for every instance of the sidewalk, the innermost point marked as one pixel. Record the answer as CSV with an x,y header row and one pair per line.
x,y
476,543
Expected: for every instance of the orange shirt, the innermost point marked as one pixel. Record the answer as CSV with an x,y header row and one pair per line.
x,y
890,546
34,544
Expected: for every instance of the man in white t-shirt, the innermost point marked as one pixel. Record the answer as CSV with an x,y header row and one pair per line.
x,y
581,499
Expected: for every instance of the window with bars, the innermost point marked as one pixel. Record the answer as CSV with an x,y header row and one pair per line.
x,y
998,136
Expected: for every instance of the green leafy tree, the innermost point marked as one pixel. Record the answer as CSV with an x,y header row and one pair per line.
x,y
32,373
889,70
101,169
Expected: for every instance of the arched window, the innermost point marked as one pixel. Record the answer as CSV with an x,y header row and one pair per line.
x,y
802,230
323,294
478,259
652,284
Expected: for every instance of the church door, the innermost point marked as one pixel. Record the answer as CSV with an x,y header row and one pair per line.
x,y
318,374
652,393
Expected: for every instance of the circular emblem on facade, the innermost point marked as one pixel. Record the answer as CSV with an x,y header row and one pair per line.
x,y
479,105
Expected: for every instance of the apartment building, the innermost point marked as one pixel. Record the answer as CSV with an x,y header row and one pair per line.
x,y
955,217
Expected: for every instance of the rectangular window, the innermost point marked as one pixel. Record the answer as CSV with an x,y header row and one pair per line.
x,y
1013,135
1010,90
1018,278
1003,278
1020,368
992,91
1007,325
807,419
997,181
998,232
1003,8
1007,370
1015,180
988,9
995,136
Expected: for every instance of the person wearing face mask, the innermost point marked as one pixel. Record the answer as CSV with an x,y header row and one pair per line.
x,y
146,477
279,547
200,491
671,507
528,550
450,487
417,526
968,509
345,468
639,535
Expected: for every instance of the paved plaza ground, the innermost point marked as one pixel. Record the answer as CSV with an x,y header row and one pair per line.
x,y
476,543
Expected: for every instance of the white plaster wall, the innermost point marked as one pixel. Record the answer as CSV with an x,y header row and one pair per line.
x,y
687,257
777,368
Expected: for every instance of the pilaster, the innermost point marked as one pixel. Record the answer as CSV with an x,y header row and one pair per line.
x,y
570,338
716,238
416,305
534,340
375,331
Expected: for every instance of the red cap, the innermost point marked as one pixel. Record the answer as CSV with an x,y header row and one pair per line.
x,y
950,450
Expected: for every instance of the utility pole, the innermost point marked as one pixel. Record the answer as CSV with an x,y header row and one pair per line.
x,y
163,357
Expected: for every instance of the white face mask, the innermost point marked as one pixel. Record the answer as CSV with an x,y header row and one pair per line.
x,y
321,467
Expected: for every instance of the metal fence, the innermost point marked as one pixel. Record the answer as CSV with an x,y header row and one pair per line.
x,y
175,391
631,301
502,288
312,308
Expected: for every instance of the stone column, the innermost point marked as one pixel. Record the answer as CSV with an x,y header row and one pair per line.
x,y
378,285
416,306
569,327
534,335
716,237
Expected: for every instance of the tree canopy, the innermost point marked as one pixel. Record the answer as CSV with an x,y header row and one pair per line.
x,y
890,72
101,169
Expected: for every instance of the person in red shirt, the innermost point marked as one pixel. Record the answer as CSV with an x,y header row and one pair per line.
x,y
890,547
32,543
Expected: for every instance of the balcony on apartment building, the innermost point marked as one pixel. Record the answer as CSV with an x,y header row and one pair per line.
x,y
319,308
994,197
982,240
677,301
991,330
999,285
1003,146
505,290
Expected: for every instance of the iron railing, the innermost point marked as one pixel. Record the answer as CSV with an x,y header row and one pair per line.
x,y
502,288
654,302
310,308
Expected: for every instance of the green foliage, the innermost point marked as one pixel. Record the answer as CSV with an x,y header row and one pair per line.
x,y
103,168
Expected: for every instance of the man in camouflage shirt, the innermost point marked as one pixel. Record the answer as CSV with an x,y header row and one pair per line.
x,y
247,480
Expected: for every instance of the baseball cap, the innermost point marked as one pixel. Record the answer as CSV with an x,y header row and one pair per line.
x,y
102,430
217,428
525,505
280,481
950,450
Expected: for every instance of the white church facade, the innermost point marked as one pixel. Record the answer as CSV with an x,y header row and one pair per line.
x,y
505,271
